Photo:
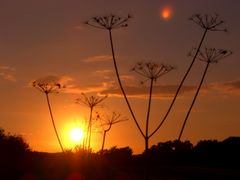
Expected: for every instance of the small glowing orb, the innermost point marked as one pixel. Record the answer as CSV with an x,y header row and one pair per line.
x,y
166,12
76,134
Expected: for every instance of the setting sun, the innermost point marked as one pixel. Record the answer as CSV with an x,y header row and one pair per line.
x,y
76,134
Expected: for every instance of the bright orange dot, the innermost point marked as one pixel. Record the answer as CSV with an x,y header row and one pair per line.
x,y
166,12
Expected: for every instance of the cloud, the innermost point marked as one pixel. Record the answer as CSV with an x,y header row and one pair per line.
x,y
227,88
160,91
7,73
54,78
98,88
99,58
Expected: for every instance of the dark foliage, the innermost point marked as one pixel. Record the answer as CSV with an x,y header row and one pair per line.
x,y
13,149
208,159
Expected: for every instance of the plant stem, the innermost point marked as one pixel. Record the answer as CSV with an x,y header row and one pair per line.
x,y
120,84
90,128
55,129
194,99
103,142
181,84
148,115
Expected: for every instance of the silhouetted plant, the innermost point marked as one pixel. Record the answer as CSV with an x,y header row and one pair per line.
x,y
47,88
151,72
209,55
13,149
207,23
107,122
109,23
91,102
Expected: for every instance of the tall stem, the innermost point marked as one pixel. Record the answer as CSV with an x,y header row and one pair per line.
x,y
120,84
103,142
181,84
55,129
90,128
87,136
194,99
148,115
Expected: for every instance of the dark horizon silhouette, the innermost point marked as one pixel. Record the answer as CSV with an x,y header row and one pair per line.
x,y
171,159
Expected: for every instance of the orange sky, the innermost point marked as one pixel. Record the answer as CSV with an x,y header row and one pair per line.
x,y
39,39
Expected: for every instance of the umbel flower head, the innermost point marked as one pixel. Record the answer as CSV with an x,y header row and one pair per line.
x,y
90,101
108,22
211,55
108,119
48,85
151,70
209,22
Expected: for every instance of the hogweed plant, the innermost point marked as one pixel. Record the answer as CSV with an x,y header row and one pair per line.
x,y
209,56
150,72
91,102
47,88
207,23
107,121
110,23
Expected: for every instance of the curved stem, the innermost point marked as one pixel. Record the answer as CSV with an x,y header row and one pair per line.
x,y
181,84
194,99
120,84
148,115
55,129
104,135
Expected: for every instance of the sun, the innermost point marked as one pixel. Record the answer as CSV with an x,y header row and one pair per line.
x,y
76,134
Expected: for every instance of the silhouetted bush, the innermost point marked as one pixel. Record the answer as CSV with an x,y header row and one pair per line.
x,y
13,149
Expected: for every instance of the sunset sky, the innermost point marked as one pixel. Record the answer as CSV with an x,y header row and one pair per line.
x,y
49,38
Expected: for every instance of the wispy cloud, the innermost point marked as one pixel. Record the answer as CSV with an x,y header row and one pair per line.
x,y
97,88
227,88
7,73
98,58
161,91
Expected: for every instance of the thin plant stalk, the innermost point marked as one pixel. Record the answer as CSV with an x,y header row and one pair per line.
x,y
53,123
109,121
91,102
104,136
207,23
180,86
90,128
108,23
210,55
46,85
151,72
148,116
121,86
194,99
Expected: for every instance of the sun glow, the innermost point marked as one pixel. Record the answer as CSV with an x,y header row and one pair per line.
x,y
76,134
73,133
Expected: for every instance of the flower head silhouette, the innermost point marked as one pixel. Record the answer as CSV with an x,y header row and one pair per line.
x,y
109,22
209,22
49,85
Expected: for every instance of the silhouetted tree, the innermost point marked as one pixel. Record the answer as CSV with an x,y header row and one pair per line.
x,y
209,55
207,23
45,86
91,102
151,72
13,149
